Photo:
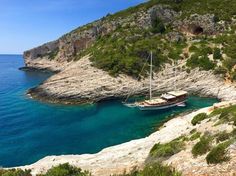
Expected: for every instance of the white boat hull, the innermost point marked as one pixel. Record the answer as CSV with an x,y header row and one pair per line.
x,y
147,108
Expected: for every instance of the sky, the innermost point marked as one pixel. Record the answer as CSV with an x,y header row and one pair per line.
x,y
25,24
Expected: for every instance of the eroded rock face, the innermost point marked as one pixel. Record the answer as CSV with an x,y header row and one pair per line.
x,y
199,24
164,13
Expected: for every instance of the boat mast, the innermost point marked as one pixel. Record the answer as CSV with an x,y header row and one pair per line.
x,y
150,91
175,74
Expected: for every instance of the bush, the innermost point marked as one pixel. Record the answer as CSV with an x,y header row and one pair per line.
x,y
195,136
15,172
155,169
202,62
220,70
66,170
226,115
167,149
218,154
198,118
159,170
217,54
158,26
193,49
223,136
203,146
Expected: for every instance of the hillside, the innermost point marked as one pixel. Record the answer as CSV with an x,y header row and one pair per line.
x,y
197,35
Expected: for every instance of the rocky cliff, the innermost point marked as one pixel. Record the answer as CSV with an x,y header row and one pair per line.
x,y
105,58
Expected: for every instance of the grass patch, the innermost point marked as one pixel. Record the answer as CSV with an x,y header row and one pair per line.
x,y
198,118
167,149
203,146
218,154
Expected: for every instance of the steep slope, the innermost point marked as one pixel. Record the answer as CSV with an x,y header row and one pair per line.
x,y
199,36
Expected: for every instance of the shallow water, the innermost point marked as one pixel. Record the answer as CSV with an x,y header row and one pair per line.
x,y
30,130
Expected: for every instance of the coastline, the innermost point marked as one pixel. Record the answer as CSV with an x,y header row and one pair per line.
x,y
126,156
81,83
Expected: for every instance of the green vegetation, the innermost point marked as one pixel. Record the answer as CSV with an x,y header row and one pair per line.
x,y
202,62
15,172
203,146
126,49
66,170
61,170
217,54
222,136
154,169
129,53
195,136
222,9
198,118
53,54
158,26
167,149
228,40
226,115
218,154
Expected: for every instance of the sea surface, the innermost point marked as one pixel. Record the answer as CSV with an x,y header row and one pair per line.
x,y
31,130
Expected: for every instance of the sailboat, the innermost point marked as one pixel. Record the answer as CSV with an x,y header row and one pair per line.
x,y
167,100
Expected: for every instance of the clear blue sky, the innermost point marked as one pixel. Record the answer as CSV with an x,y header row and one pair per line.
x,y
25,24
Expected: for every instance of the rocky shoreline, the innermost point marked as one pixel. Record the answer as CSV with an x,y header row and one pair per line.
x,y
124,157
80,82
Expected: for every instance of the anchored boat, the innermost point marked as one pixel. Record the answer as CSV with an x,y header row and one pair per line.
x,y
167,100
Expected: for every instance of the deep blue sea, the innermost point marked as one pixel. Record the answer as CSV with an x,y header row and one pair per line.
x,y
31,130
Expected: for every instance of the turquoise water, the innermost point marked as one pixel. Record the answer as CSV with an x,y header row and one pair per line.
x,y
30,130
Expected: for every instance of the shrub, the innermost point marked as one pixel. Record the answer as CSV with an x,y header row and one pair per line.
x,y
167,149
193,131
154,169
223,136
198,118
217,54
158,169
66,170
218,154
226,115
15,172
193,49
158,25
202,62
195,136
188,70
220,70
203,146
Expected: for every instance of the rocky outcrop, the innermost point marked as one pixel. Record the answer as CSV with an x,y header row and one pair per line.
x,y
124,157
82,83
165,13
199,24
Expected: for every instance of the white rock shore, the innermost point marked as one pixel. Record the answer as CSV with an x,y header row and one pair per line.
x,y
124,157
80,82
